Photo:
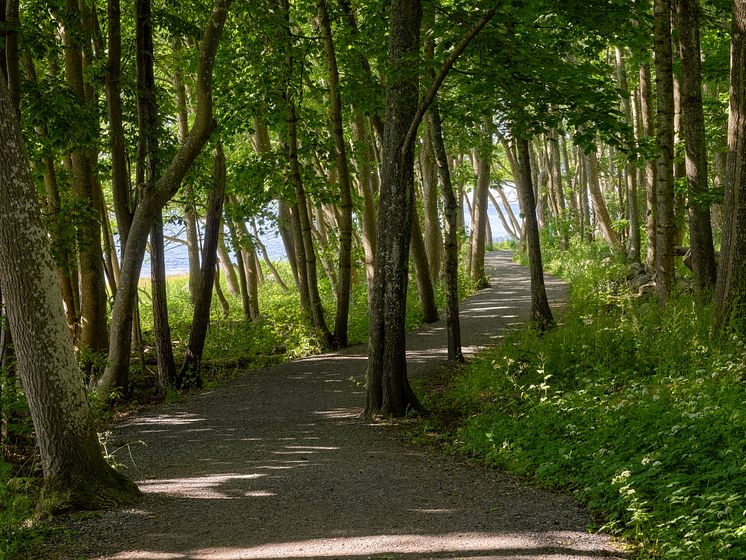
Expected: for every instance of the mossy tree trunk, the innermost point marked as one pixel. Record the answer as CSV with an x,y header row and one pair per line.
x,y
75,472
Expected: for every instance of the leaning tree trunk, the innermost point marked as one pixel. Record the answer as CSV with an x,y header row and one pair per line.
x,y
189,375
700,225
730,291
155,197
664,195
541,314
75,472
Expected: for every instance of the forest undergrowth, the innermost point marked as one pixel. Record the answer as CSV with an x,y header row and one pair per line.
x,y
635,410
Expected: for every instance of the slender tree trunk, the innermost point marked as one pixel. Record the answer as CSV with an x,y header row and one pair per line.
x,y
422,272
479,216
700,226
647,116
155,198
506,226
365,157
599,204
189,375
93,330
345,229
147,164
633,241
451,211
433,235
225,258
541,314
161,329
730,290
75,472
247,291
665,225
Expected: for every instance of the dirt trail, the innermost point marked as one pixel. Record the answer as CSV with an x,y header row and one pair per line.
x,y
276,464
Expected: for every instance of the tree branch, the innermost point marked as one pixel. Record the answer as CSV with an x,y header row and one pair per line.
x,y
435,86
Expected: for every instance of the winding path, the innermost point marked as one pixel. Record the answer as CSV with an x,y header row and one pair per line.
x,y
277,465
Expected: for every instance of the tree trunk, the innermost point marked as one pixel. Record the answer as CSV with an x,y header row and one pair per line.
x,y
541,314
265,256
75,472
189,375
345,224
479,216
633,241
388,390
433,235
451,211
730,290
248,292
422,272
147,164
599,205
161,329
93,329
647,117
664,233
700,226
155,197
225,259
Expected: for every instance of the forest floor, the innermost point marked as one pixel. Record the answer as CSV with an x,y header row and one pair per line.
x,y
277,464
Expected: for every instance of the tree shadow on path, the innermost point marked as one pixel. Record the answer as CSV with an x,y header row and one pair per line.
x,y
277,464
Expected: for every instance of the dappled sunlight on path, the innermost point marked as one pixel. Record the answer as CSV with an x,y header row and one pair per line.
x,y
277,464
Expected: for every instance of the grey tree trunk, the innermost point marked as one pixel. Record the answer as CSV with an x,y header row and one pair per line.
x,y
425,291
479,216
647,116
75,472
664,197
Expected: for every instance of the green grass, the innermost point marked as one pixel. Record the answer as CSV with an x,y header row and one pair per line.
x,y
632,409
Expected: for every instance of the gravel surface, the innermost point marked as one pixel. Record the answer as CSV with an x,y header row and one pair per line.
x,y
277,464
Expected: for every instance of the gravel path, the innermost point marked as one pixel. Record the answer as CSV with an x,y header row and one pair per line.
x,y
277,464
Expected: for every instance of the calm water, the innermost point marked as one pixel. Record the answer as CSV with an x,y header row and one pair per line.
x,y
177,261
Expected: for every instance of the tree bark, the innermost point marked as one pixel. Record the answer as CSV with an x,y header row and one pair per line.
x,y
700,225
647,116
425,291
190,375
664,197
633,215
156,196
730,290
75,472
479,216
388,390
93,328
541,314
225,258
343,173
599,205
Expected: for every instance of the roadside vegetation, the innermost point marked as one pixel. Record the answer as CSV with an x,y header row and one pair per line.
x,y
635,410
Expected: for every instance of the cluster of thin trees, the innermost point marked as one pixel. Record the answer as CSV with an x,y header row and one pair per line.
x,y
359,127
